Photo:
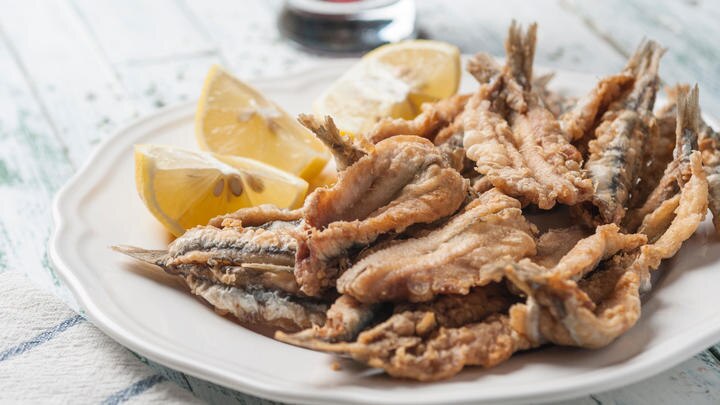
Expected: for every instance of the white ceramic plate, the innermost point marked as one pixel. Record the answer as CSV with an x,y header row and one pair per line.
x,y
152,315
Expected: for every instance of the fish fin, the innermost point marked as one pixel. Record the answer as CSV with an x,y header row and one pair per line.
x,y
484,68
520,50
156,257
309,340
345,151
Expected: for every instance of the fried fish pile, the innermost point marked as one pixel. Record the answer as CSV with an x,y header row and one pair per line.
x,y
420,260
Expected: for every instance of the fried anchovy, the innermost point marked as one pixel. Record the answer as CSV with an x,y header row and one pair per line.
x,y
615,153
593,312
271,243
259,306
449,139
559,311
579,122
435,340
439,122
690,212
404,181
455,310
434,117
257,293
256,216
449,260
677,171
657,151
245,271
516,142
345,319
709,142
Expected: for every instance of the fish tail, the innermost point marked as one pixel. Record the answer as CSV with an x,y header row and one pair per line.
x,y
309,341
644,65
673,91
156,257
688,112
343,149
647,52
484,68
520,49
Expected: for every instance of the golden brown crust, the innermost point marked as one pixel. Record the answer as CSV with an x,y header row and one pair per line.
x,y
515,142
404,181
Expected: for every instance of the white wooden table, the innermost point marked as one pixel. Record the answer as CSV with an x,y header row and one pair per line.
x,y
73,71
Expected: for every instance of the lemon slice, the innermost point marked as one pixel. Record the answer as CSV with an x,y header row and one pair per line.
x,y
183,188
232,118
391,81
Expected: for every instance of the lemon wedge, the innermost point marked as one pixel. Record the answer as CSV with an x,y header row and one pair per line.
x,y
232,118
184,188
391,81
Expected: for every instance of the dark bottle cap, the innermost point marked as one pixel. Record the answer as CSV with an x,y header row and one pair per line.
x,y
350,26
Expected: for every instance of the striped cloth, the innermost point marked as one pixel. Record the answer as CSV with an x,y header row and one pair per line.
x,y
50,354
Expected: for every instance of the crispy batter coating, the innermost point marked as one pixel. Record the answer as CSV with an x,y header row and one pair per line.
x,y
516,142
580,121
433,118
616,150
588,252
709,143
560,312
677,171
449,260
455,310
690,212
413,345
657,155
555,243
347,317
594,312
344,320
255,216
404,181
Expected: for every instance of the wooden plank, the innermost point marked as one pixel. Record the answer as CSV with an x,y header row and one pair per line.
x,y
695,381
156,85
248,38
80,92
482,26
158,64
140,31
688,29
33,165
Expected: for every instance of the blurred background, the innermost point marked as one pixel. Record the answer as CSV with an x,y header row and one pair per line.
x,y
74,71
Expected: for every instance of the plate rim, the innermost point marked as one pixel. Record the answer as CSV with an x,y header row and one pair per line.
x,y
701,335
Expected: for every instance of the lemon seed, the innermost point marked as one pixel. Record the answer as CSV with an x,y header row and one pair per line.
x,y
235,186
219,187
255,183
